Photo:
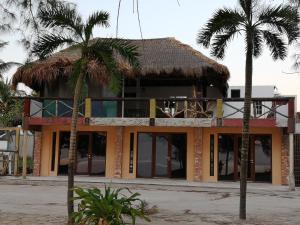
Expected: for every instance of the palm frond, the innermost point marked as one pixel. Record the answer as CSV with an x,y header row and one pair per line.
x,y
125,48
99,18
223,20
104,55
60,15
246,6
3,44
283,19
257,42
48,43
5,66
276,45
220,41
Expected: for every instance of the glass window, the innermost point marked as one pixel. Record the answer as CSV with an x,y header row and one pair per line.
x,y
235,93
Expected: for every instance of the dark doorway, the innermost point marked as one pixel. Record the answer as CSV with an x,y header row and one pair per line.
x,y
161,155
90,154
259,157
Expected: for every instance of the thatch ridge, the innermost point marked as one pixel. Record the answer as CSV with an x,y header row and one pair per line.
x,y
159,56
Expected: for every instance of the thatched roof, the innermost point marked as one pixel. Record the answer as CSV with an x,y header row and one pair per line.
x,y
164,56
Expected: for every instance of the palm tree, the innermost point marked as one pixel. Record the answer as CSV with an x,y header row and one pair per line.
x,y
276,26
68,28
10,107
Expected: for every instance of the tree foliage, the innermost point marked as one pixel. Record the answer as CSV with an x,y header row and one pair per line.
x,y
10,107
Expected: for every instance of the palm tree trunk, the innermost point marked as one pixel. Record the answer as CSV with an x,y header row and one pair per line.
x,y
72,149
246,120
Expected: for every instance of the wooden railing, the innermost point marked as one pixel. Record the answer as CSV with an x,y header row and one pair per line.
x,y
261,108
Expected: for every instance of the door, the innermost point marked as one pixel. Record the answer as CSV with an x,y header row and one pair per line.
x,y
98,154
83,156
250,164
91,153
161,155
230,147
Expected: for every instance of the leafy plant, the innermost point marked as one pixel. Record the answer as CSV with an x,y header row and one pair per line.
x,y
108,208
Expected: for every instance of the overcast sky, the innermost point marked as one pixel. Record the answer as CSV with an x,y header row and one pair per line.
x,y
165,18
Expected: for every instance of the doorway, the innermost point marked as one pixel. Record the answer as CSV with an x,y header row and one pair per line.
x,y
90,153
161,155
259,157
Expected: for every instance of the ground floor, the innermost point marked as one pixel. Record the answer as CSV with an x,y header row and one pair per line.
x,y
192,154
44,201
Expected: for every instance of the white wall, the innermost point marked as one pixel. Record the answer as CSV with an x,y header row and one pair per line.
x,y
257,92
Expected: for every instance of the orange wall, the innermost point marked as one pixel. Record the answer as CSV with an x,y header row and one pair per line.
x,y
276,150
110,151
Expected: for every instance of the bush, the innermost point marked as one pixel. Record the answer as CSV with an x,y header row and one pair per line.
x,y
108,208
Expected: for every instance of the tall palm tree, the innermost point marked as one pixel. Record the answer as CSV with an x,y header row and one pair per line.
x,y
68,28
276,26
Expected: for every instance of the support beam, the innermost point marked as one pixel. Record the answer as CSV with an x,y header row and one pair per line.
x,y
16,160
25,152
291,163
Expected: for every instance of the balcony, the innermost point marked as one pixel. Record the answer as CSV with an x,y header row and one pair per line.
x,y
179,111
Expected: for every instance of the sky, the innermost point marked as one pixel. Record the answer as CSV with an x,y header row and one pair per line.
x,y
165,18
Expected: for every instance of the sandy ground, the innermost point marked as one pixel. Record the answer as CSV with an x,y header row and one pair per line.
x,y
44,203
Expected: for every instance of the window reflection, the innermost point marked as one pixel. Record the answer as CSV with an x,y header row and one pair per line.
x,y
226,157
145,155
263,154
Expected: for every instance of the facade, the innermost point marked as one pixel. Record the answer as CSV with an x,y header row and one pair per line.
x,y
176,118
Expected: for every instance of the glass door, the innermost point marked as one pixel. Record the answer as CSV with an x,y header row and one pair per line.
x,y
83,153
263,158
162,156
98,154
226,157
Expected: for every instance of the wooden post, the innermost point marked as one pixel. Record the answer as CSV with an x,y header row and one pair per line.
x,y
16,160
291,115
25,151
26,109
152,115
88,108
219,113
291,163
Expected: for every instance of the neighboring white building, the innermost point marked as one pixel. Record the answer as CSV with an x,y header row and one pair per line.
x,y
259,109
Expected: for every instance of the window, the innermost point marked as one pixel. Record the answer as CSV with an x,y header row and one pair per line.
x,y
258,107
235,93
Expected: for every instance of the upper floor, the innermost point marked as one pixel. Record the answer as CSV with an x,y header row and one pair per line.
x,y
174,86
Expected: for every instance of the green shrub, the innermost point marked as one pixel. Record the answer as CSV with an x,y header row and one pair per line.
x,y
111,207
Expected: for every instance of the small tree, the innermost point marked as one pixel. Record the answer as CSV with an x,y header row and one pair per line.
x,y
110,207
276,26
68,27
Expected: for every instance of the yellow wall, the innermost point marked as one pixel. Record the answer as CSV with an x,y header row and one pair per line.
x,y
111,142
276,150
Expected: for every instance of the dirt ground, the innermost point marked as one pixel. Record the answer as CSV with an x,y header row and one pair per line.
x,y
45,203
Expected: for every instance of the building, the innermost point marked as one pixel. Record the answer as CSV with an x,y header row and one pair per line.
x,y
173,121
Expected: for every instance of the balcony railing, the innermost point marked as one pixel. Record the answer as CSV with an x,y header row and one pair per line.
x,y
227,108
